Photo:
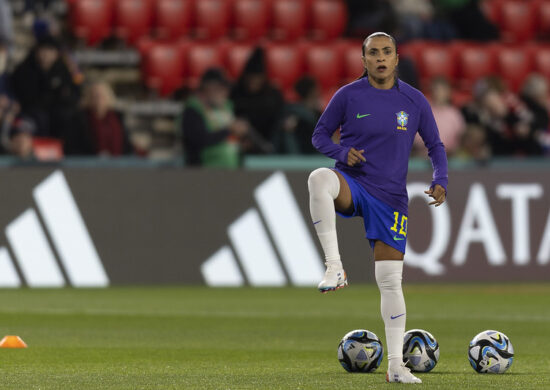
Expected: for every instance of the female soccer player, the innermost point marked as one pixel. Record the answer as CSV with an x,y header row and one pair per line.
x,y
378,116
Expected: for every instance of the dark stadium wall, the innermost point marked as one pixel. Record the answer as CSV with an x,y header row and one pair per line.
x,y
161,226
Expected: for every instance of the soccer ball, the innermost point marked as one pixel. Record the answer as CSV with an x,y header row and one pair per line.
x,y
360,351
420,350
491,352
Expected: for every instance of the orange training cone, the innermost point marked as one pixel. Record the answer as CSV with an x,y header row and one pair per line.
x,y
12,342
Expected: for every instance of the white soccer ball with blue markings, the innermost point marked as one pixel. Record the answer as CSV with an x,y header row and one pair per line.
x,y
360,351
420,350
491,352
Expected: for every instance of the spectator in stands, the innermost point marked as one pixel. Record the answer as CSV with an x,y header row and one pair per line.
x,y
6,23
418,20
8,107
535,96
37,5
37,14
299,120
44,87
4,77
36,8
101,126
449,119
9,110
210,130
468,19
366,17
473,145
257,101
407,71
413,16
506,121
21,139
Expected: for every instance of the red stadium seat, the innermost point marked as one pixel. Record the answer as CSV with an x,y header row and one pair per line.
x,y
328,18
144,45
513,65
544,19
518,20
436,60
212,18
163,66
236,58
284,64
541,60
413,50
325,64
201,57
491,9
173,18
474,62
133,19
47,149
251,19
289,19
353,65
91,19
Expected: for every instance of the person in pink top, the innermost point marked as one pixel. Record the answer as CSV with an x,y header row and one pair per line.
x,y
449,119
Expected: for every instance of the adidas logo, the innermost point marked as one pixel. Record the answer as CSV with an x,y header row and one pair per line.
x,y
71,241
252,244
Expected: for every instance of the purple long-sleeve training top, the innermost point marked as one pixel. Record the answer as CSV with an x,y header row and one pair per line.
x,y
384,123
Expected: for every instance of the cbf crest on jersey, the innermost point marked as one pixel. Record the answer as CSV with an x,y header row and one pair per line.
x,y
402,120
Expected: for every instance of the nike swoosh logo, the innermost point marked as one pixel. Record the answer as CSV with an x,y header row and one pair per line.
x,y
398,238
362,116
400,315
315,223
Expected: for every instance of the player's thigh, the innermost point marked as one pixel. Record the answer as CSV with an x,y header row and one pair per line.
x,y
383,251
344,201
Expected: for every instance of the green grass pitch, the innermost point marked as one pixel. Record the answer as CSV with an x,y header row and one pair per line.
x,y
200,338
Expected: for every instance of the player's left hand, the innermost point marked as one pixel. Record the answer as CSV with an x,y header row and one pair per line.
x,y
437,193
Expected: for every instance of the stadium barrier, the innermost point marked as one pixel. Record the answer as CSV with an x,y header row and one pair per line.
x,y
87,227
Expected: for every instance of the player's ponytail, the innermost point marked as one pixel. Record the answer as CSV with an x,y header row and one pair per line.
x,y
374,35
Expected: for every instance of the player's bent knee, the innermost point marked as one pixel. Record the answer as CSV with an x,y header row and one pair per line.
x,y
319,177
323,179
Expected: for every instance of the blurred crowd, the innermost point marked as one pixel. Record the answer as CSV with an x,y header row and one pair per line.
x,y
252,117
47,109
43,106
441,20
496,122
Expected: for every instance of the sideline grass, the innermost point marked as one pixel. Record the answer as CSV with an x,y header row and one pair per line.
x,y
200,338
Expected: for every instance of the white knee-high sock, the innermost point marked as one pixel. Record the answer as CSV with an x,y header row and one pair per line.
x,y
389,274
324,186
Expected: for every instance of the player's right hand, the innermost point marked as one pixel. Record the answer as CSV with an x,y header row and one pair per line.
x,y
355,157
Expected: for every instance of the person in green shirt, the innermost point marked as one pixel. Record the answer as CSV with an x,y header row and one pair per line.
x,y
211,133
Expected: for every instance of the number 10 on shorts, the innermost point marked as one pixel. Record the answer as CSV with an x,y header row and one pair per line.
x,y
403,226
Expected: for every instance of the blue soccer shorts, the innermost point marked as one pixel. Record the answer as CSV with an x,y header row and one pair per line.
x,y
381,221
